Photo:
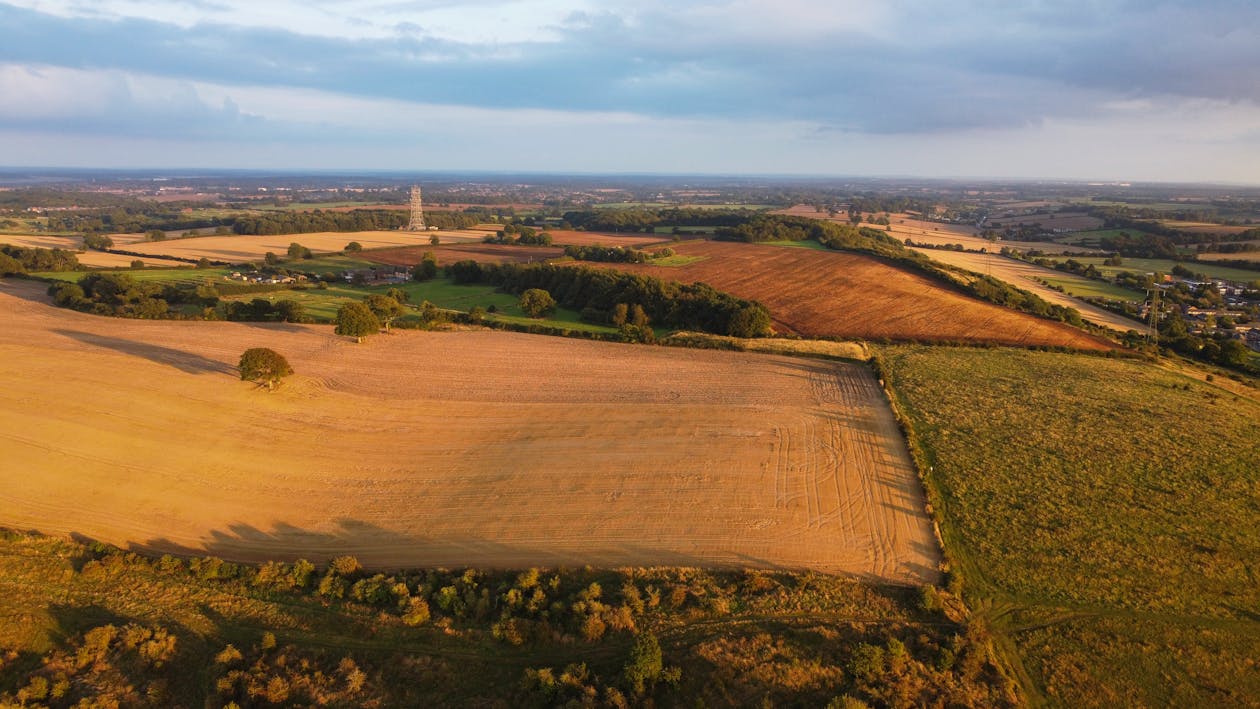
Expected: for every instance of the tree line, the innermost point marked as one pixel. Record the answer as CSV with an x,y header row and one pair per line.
x,y
22,259
646,220
596,293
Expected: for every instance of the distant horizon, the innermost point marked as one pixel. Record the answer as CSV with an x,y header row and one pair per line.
x,y
202,172
1078,91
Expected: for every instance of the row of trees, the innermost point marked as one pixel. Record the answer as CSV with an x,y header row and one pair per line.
x,y
118,294
596,292
519,234
307,222
606,254
647,220
22,259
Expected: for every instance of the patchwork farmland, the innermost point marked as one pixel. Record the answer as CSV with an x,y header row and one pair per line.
x,y
457,448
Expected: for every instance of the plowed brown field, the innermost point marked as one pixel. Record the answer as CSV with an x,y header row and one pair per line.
x,y
561,237
460,448
835,294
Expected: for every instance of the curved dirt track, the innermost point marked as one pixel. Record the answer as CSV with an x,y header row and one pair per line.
x,y
836,294
463,448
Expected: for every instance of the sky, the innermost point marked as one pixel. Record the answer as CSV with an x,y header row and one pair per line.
x,y
1125,90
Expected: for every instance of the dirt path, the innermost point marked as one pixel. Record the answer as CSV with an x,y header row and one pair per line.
x,y
466,448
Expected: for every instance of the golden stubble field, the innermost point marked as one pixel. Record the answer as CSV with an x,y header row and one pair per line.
x,y
1022,274
252,248
461,448
95,259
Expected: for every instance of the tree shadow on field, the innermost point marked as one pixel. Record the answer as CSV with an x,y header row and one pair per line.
x,y
274,326
179,359
382,549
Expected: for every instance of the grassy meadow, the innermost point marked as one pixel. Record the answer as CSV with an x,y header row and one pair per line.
x,y
1086,288
1097,511
1152,265
321,304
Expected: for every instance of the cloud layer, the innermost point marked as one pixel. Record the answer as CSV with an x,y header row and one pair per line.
x,y
816,70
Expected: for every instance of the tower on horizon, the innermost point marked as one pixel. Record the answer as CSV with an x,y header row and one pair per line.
x,y
417,212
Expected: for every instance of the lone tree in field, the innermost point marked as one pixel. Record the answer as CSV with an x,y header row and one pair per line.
x,y
537,302
263,365
356,320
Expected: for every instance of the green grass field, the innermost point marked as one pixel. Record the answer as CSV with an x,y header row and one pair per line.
x,y
1098,511
1092,237
1150,265
153,275
322,304
332,264
676,260
1087,288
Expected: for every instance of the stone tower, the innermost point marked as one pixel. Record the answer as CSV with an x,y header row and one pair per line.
x,y
417,211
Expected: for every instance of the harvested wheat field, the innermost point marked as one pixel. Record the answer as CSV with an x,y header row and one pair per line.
x,y
1057,221
835,294
460,448
921,231
1207,227
479,252
565,237
236,249
1239,256
1022,274
95,259
936,234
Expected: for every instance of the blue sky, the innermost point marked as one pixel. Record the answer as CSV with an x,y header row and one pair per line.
x,y
1086,89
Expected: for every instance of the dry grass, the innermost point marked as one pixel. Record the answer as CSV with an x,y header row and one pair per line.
x,y
449,449
921,231
1240,256
251,248
1023,275
95,259
829,349
1067,221
1205,227
833,294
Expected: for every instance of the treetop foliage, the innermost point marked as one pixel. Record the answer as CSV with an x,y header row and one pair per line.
x,y
263,365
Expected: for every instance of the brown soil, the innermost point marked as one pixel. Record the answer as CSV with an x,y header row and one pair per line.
x,y
835,294
463,448
562,237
